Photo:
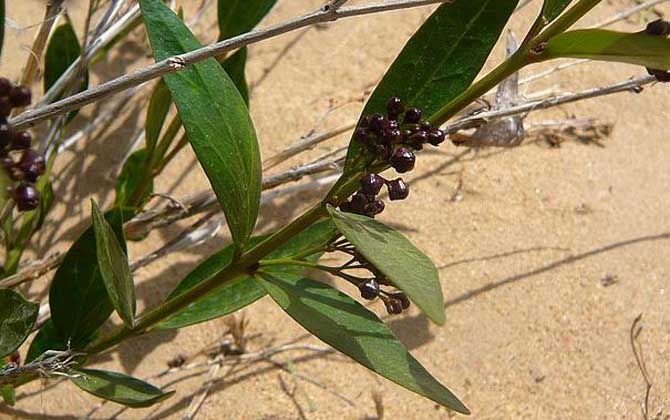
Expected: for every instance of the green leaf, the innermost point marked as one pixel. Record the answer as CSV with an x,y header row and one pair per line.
x,y
350,328
235,67
441,59
8,394
131,177
63,49
78,298
113,266
47,338
117,387
216,120
17,317
551,9
242,291
159,106
599,44
395,256
236,17
46,203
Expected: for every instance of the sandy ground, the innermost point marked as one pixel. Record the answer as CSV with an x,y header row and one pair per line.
x,y
531,330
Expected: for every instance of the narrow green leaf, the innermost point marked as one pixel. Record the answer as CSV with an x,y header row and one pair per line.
x,y
350,328
159,106
235,66
117,387
216,120
131,177
242,291
113,266
78,298
395,256
551,9
8,394
236,17
17,317
441,59
599,44
63,49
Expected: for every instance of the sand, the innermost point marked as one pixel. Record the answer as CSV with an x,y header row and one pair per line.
x,y
524,246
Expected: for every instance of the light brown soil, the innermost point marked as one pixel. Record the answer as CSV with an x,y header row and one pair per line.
x,y
531,330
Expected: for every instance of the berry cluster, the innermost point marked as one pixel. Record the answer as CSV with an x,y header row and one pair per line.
x,y
659,27
392,139
371,287
22,164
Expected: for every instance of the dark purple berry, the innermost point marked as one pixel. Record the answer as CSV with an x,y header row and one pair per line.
x,y
392,125
418,140
393,306
21,140
371,184
32,165
658,28
398,190
395,107
374,208
377,122
26,196
369,289
6,134
403,160
404,300
5,86
5,106
412,128
346,207
20,96
436,137
392,136
660,75
362,135
412,116
364,122
426,126
7,163
359,202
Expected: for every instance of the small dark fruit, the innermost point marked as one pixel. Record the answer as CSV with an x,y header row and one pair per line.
x,y
21,140
5,86
26,196
374,208
20,96
362,135
393,306
377,122
412,116
658,27
398,190
6,134
395,107
418,140
5,106
403,160
371,184
32,165
436,137
369,289
404,300
392,136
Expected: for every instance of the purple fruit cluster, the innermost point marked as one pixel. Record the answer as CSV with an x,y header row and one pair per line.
x,y
392,138
659,27
22,164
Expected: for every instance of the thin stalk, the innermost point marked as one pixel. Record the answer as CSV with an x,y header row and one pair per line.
x,y
565,21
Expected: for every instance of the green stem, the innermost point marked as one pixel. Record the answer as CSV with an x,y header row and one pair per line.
x,y
565,21
481,87
300,263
